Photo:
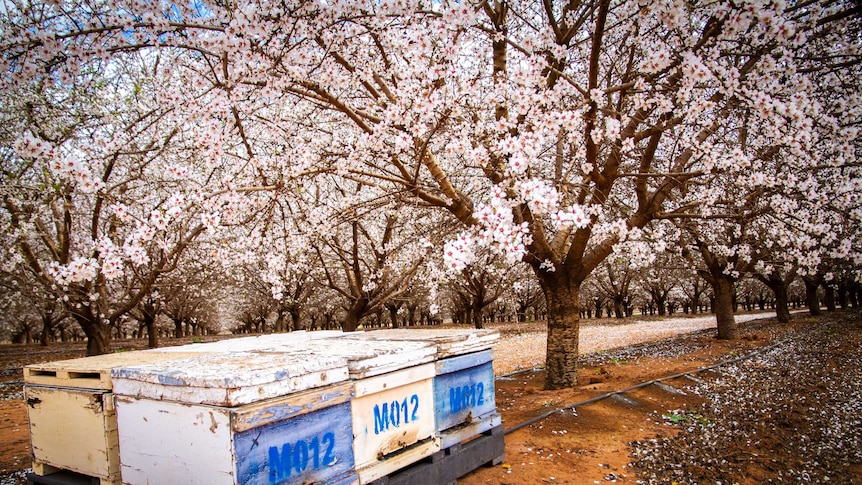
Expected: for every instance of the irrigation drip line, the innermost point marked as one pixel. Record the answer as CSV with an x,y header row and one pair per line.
x,y
632,388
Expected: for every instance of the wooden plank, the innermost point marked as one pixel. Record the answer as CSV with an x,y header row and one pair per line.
x,y
230,379
367,358
90,372
281,408
463,395
448,341
380,468
460,362
459,434
73,429
166,442
393,412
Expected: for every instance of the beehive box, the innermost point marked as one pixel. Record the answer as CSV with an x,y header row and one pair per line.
x,y
392,409
393,421
236,418
302,438
464,394
70,407
230,379
464,397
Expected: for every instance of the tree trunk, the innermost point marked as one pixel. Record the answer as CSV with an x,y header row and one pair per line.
x,y
618,309
353,315
477,317
295,322
279,319
722,287
779,286
561,360
98,337
830,298
811,297
47,327
782,308
152,333
393,315
660,305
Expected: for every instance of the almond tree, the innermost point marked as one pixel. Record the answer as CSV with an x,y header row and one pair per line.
x,y
479,285
104,189
555,133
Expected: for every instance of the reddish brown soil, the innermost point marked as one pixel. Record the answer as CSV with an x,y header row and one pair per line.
x,y
591,444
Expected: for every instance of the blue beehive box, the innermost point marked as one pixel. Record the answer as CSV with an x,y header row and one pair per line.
x,y
464,397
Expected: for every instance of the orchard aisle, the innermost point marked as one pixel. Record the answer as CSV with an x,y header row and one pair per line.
x,y
517,351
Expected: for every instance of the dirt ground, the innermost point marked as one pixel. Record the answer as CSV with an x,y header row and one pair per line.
x,y
788,411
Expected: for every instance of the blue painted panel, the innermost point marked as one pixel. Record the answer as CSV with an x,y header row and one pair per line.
x,y
463,395
312,448
457,363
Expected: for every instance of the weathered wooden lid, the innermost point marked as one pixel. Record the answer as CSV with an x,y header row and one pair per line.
x,y
448,341
230,378
91,372
246,344
366,358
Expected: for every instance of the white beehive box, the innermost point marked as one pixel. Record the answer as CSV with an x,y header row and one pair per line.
x,y
73,424
393,408
297,439
393,421
236,418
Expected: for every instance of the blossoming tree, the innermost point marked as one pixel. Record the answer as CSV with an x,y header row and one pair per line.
x,y
556,133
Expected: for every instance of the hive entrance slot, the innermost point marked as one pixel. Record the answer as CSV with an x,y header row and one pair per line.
x,y
84,375
47,373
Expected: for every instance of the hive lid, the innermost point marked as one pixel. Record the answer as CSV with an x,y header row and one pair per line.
x,y
448,341
230,379
240,344
366,358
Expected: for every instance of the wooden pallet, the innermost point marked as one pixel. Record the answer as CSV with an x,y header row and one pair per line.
x,y
48,475
446,466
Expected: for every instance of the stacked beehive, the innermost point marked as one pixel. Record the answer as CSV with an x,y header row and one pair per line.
x,y
291,408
